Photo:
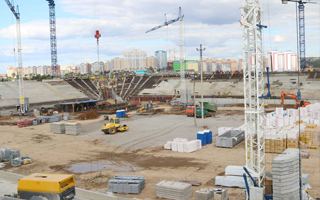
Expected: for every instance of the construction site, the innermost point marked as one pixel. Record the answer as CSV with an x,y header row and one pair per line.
x,y
252,134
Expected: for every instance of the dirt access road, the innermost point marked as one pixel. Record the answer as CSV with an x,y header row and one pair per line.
x,y
95,157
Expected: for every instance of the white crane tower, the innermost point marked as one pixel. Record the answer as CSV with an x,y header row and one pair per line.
x,y
180,18
22,99
253,88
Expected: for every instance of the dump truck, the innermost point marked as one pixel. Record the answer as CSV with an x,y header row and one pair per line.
x,y
41,186
208,110
114,126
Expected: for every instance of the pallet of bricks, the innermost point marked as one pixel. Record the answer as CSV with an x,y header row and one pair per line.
x,y
275,142
309,137
276,145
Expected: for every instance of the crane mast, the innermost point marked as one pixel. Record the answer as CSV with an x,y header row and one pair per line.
x,y
253,88
183,92
180,19
53,38
15,12
301,29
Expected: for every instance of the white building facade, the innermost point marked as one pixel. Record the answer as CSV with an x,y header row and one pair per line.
x,y
283,61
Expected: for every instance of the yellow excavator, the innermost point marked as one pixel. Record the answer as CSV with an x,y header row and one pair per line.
x,y
114,126
41,186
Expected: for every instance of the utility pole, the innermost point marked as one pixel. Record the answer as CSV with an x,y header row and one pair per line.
x,y
201,50
98,36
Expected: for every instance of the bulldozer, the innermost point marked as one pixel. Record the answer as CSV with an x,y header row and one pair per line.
x,y
114,126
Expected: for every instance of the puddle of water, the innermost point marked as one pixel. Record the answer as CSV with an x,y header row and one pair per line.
x,y
86,167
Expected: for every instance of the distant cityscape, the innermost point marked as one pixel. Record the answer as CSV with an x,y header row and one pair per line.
x,y
135,59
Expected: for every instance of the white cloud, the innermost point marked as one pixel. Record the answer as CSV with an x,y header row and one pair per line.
x,y
279,38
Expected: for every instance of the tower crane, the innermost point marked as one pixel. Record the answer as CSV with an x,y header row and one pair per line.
x,y
180,18
16,13
301,29
53,38
253,90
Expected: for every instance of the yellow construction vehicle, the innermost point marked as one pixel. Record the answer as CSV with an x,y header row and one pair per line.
x,y
46,187
114,126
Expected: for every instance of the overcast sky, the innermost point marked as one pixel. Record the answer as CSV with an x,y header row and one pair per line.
x,y
214,23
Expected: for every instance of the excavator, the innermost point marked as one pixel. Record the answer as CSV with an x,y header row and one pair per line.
x,y
299,103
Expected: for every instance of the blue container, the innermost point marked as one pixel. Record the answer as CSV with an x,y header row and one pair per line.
x,y
202,137
268,197
120,113
208,134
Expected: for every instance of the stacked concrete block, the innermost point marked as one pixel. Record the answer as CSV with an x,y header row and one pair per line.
x,y
220,194
8,154
230,138
174,190
54,118
183,145
204,194
57,128
222,130
126,184
285,175
72,128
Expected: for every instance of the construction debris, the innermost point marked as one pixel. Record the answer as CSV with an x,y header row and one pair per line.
x,y
174,190
13,157
91,114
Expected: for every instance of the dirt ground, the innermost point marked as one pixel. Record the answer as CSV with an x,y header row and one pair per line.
x,y
64,153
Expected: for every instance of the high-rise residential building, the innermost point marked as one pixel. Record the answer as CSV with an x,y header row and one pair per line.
x,y
135,59
85,68
96,67
162,60
151,61
282,61
225,65
132,60
12,72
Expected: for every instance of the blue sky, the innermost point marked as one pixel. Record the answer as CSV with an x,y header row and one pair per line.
x,y
215,23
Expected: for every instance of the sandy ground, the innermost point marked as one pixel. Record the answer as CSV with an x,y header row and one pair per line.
x,y
137,152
